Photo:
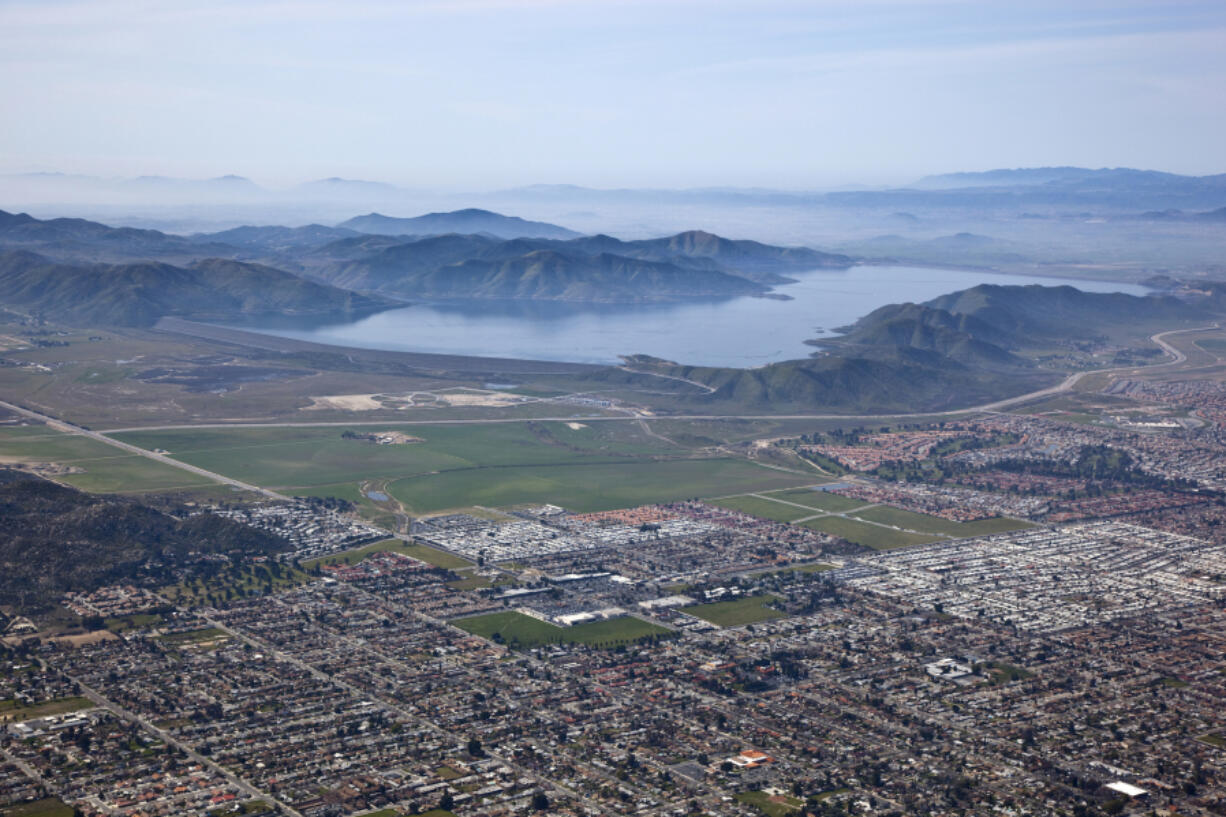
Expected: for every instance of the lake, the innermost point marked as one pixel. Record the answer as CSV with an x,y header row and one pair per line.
x,y
741,332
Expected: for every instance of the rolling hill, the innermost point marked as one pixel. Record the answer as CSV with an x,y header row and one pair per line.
x,y
55,539
595,268
964,348
551,275
138,294
275,239
464,256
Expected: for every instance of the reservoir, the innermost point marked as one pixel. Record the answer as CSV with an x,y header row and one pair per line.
x,y
742,332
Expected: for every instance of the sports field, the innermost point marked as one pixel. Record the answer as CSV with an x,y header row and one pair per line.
x,y
771,806
748,610
429,555
607,465
519,631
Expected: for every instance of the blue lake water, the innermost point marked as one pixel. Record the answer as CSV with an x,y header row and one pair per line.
x,y
741,332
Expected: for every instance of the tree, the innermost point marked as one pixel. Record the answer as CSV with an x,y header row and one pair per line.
x,y
446,802
540,802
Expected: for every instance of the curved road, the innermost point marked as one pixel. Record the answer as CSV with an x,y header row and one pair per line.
x,y
1177,357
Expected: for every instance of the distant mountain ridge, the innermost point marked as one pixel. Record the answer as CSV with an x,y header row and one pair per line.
x,y
1116,177
276,239
470,221
600,268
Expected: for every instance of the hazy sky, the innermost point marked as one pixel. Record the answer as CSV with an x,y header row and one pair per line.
x,y
489,93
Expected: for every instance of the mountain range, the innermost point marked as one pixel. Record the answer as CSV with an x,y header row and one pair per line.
x,y
1083,188
967,347
469,222
594,268
278,263
140,293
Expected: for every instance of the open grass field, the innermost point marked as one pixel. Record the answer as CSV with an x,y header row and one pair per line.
x,y
780,806
429,555
748,610
472,581
935,524
819,500
1000,672
812,567
48,807
202,636
606,465
862,533
248,807
10,710
134,621
587,487
764,508
103,469
519,631
817,567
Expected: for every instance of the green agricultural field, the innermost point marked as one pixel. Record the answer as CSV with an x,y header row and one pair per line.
x,y
132,474
862,533
104,468
764,508
587,487
524,632
935,524
748,610
820,500
602,466
429,555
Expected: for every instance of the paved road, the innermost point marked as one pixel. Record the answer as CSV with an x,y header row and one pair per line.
x,y
1067,384
1073,379
1177,357
69,428
126,714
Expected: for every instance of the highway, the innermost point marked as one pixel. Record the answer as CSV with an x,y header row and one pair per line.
x,y
1177,357
69,428
1066,385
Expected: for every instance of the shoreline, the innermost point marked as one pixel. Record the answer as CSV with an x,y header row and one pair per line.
x,y
443,361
